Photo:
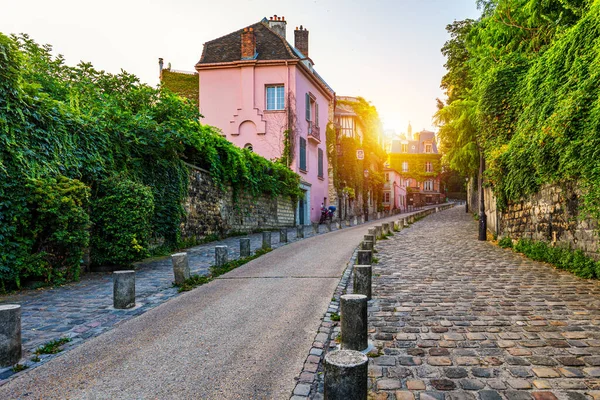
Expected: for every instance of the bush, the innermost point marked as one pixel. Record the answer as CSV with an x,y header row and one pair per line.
x,y
505,243
122,216
50,231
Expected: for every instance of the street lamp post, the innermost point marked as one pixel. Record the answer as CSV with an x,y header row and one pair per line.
x,y
467,200
365,196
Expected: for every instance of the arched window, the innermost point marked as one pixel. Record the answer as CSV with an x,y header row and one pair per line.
x,y
248,146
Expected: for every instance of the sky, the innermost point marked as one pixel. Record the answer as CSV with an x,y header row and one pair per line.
x,y
387,51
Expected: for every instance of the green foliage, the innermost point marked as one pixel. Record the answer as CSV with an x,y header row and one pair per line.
x,y
121,214
335,317
416,165
522,87
52,347
89,126
573,261
19,367
216,271
185,85
44,231
505,242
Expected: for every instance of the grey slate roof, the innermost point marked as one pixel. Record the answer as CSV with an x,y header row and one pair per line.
x,y
269,46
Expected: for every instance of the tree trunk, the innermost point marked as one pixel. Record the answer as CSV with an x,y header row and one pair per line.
x,y
482,216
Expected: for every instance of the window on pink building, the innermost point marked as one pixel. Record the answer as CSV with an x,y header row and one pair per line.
x,y
275,97
386,197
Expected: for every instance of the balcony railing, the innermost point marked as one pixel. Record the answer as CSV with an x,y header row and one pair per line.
x,y
314,132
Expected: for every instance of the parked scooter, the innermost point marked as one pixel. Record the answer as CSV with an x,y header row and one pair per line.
x,y
326,213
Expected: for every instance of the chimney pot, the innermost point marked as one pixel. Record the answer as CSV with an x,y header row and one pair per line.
x,y
271,18
278,25
251,29
283,18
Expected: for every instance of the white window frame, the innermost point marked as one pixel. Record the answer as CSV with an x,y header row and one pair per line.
x,y
428,166
278,101
428,185
429,147
404,166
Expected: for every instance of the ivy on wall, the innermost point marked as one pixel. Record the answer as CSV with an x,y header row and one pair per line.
x,y
75,131
185,85
416,165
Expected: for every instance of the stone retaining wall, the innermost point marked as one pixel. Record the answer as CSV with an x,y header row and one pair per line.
x,y
551,216
209,210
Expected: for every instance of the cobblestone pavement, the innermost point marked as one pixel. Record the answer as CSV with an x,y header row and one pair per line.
x,y
456,318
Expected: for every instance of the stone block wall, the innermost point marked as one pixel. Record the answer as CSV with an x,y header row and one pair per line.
x,y
552,216
209,210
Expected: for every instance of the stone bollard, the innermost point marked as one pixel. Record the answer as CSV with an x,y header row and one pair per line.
x,y
338,224
437,209
362,279
244,247
355,220
354,322
373,232
181,267
386,228
369,238
221,256
367,245
266,240
10,334
378,215
348,223
328,224
365,257
378,231
123,289
315,228
300,231
283,235
346,375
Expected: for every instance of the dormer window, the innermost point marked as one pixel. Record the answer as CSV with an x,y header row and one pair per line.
x,y
404,148
428,148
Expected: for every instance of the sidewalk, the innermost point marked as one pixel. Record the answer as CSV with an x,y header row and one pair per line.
x,y
456,318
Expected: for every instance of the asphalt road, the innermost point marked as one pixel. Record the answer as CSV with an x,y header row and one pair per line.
x,y
243,336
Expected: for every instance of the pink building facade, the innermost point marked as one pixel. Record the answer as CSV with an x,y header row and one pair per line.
x,y
394,192
259,90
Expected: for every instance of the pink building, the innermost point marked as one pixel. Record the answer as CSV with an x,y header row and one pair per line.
x,y
394,193
259,90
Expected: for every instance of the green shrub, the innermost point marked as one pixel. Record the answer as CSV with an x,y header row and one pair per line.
x,y
573,261
122,215
49,231
505,243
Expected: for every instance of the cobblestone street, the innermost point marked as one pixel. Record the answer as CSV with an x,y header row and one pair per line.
x,y
461,319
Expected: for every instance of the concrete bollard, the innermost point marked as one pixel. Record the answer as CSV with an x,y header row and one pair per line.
x,y
283,238
244,247
338,224
373,232
355,220
123,289
10,334
362,279
266,240
300,231
367,245
354,322
369,238
181,267
348,223
378,215
365,257
437,209
346,375
315,227
221,256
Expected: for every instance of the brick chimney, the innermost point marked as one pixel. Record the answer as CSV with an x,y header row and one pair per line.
x,y
301,40
248,44
278,24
